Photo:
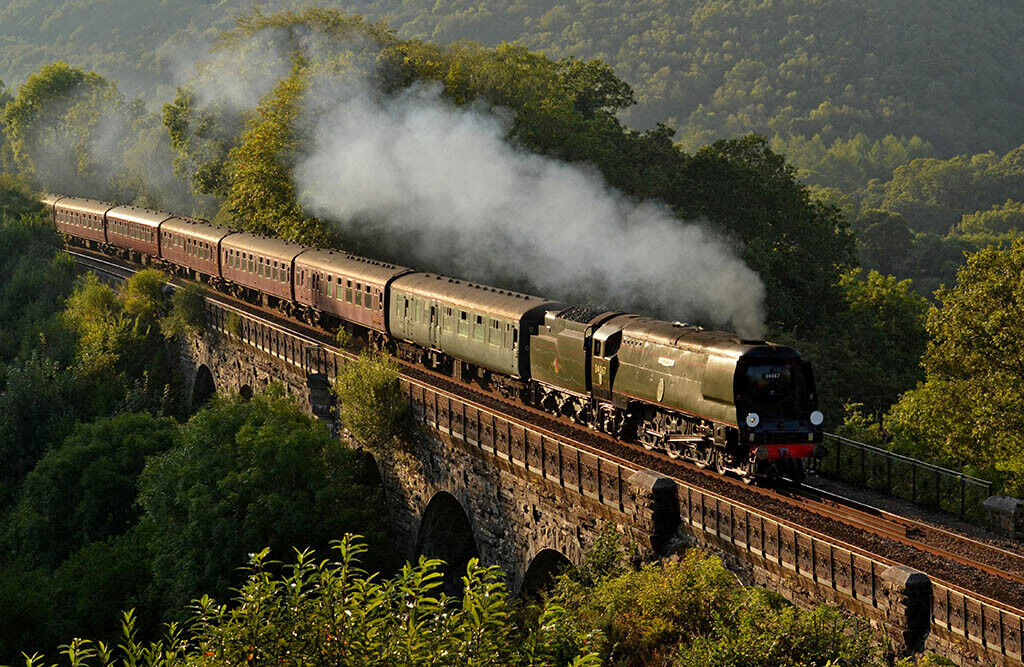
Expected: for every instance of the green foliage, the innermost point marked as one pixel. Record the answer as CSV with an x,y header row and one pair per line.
x,y
968,411
797,245
932,195
16,197
372,406
868,353
828,70
248,474
37,277
54,125
262,197
188,312
83,490
850,164
332,612
860,427
763,630
691,611
37,407
233,324
143,298
561,108
999,219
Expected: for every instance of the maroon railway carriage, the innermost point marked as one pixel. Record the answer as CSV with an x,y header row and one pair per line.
x,y
137,230
347,286
261,264
193,245
81,218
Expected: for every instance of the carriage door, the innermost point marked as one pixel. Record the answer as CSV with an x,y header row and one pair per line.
x,y
605,363
435,324
314,286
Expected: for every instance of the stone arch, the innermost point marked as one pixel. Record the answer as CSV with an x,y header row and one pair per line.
x,y
203,388
545,566
445,533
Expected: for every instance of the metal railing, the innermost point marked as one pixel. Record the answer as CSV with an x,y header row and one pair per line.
x,y
904,477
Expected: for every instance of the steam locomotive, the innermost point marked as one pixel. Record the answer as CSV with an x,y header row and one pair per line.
x,y
731,404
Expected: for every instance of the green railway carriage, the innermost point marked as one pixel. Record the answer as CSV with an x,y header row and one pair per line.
x,y
484,326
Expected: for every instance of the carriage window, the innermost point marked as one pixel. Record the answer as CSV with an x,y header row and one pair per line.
x,y
494,335
359,295
515,336
369,299
463,328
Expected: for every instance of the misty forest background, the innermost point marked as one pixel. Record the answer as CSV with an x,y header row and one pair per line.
x,y
862,161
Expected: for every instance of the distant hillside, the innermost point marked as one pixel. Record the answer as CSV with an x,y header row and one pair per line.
x,y
948,71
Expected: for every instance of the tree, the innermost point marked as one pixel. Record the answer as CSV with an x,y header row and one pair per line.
x,y
54,125
37,278
969,411
187,316
37,407
797,245
262,197
884,241
246,474
83,490
143,297
1000,219
372,406
868,353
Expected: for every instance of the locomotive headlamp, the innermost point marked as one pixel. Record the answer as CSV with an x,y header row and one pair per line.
x,y
753,419
761,453
817,418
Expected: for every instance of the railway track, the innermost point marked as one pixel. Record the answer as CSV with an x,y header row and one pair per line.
x,y
958,561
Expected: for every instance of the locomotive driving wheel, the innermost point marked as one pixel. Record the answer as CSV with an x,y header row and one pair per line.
x,y
707,457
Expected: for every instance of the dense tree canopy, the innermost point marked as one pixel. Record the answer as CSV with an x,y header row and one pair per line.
x,y
970,407
245,474
822,71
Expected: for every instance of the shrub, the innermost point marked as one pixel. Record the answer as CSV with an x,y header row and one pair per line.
x,y
373,407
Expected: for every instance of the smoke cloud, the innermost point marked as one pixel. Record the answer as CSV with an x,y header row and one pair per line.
x,y
413,171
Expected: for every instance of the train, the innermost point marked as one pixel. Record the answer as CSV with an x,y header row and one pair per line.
x,y
742,406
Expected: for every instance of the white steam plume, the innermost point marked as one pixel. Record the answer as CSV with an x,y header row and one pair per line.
x,y
422,172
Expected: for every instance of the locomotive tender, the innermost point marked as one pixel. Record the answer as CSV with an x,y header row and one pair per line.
x,y
730,404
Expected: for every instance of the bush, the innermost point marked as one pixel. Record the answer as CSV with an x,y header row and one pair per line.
x,y
247,474
188,312
372,405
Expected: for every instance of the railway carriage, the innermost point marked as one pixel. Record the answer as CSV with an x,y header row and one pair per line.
x,y
81,219
260,268
135,232
192,247
347,287
474,329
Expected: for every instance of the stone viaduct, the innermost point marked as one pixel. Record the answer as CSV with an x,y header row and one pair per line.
x,y
478,483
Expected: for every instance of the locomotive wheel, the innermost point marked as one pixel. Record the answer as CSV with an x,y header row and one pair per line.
x,y
707,457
